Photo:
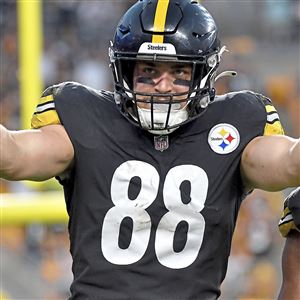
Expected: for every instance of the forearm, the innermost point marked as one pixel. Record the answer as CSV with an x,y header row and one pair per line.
x,y
9,154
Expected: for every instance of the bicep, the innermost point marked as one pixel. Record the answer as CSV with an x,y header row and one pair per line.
x,y
43,153
267,163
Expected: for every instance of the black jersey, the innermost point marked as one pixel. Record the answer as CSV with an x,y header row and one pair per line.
x,y
148,224
290,219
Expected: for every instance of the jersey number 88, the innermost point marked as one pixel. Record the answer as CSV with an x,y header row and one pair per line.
x,y
136,210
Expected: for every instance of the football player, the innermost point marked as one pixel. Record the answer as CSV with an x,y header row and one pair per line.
x,y
154,173
289,226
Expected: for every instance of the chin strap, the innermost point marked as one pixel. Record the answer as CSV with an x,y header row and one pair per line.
x,y
226,73
213,62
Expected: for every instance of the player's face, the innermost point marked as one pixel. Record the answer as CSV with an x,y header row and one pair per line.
x,y
161,78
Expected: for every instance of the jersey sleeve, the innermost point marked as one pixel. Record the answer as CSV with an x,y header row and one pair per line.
x,y
273,125
290,219
45,112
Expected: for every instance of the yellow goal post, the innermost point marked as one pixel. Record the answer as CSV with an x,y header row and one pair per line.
x,y
33,207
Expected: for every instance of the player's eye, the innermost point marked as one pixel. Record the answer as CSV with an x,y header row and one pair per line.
x,y
149,71
182,73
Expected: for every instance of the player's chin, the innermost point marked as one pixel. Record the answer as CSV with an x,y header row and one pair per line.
x,y
161,102
143,103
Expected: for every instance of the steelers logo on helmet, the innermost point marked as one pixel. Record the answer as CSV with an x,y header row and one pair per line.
x,y
223,138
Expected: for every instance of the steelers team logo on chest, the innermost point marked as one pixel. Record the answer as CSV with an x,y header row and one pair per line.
x,y
223,138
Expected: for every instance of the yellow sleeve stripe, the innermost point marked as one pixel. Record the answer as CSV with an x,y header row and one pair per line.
x,y
44,107
286,215
46,99
286,223
270,108
272,115
160,20
285,228
274,129
48,117
273,125
272,118
45,113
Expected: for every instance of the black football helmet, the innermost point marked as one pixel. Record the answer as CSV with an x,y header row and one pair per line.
x,y
165,31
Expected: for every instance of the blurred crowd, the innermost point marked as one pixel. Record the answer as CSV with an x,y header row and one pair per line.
x,y
263,42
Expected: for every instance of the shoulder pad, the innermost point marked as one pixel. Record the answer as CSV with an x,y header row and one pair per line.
x,y
58,88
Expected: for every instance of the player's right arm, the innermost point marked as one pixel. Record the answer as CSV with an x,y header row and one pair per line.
x,y
36,154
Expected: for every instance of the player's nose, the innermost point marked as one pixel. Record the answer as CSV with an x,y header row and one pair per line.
x,y
163,84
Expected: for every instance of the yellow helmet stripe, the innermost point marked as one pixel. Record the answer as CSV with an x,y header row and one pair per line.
x,y
160,20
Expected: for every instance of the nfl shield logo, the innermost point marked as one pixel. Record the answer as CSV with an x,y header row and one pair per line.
x,y
161,142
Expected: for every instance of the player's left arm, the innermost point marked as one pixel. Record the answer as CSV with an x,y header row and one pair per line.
x,y
271,163
289,226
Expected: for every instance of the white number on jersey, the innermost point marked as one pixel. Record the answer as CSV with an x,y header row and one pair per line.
x,y
135,209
